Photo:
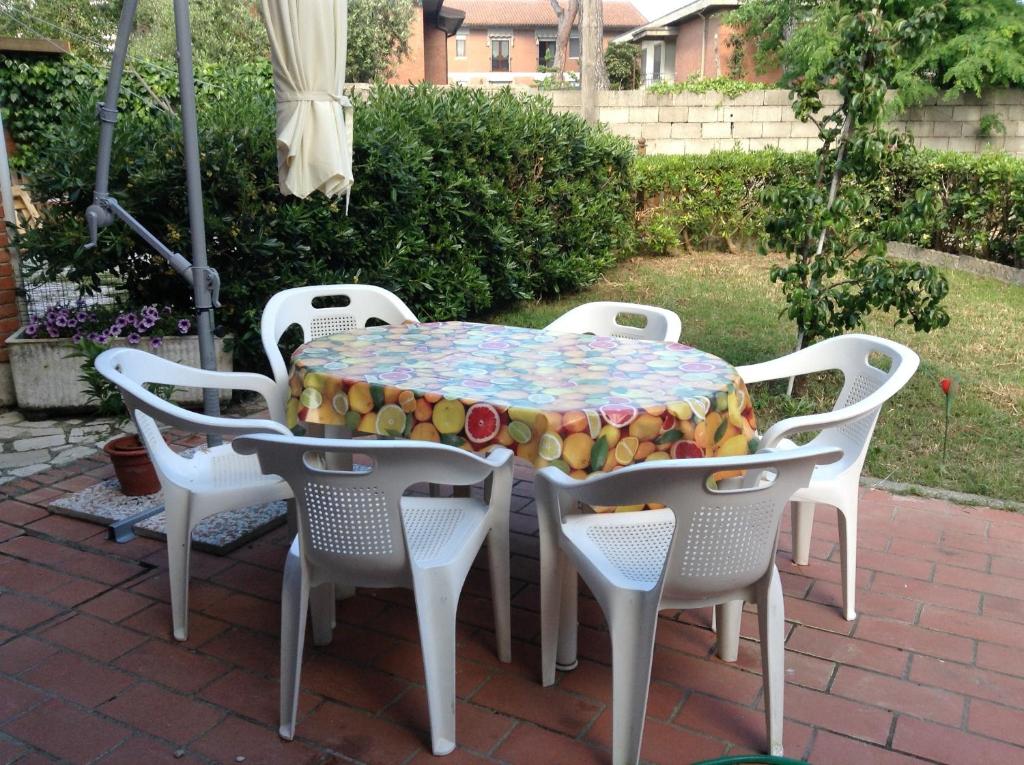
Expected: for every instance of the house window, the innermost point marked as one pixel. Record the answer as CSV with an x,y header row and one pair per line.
x,y
574,47
658,55
460,46
545,53
500,47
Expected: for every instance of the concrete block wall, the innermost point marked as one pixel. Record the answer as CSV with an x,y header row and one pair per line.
x,y
696,123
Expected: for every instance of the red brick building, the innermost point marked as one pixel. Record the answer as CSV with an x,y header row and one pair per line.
x,y
691,40
432,23
503,41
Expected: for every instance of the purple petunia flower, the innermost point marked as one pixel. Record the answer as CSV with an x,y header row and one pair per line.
x,y
103,337
146,323
77,337
184,325
94,336
134,338
167,310
156,342
61,320
129,318
52,331
31,329
81,316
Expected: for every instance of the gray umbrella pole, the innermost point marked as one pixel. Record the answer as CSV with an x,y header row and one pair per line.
x,y
201,286
105,209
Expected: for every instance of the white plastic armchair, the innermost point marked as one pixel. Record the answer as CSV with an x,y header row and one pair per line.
x,y
707,547
849,426
212,480
295,306
357,529
601,318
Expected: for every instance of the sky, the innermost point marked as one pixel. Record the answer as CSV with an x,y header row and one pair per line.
x,y
652,9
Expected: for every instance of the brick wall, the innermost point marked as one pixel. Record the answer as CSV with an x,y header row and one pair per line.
x,y
8,313
691,123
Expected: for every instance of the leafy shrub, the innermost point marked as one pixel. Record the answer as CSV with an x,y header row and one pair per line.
x,y
37,92
960,203
713,200
729,87
464,201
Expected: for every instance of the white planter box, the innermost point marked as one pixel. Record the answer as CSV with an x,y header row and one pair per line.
x,y
46,374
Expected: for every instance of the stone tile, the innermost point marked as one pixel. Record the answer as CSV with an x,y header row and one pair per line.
x,y
173,665
235,740
67,732
162,713
78,679
550,707
92,637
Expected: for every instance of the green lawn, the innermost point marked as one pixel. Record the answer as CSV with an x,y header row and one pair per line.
x,y
729,308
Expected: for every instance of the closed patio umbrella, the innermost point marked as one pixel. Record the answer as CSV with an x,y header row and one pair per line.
x,y
314,120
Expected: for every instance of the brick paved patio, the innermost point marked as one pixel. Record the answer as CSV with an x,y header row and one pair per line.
x,y
933,670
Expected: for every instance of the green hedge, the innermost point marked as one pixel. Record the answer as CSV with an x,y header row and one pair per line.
x,y
464,201
711,201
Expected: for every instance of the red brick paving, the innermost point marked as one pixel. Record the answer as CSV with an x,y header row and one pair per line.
x,y
930,672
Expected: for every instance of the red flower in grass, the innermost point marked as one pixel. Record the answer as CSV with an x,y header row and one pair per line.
x,y
946,384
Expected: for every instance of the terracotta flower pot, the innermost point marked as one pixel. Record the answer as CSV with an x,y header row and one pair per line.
x,y
132,466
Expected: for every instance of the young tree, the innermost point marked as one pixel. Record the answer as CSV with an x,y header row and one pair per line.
x,y
837,271
378,38
566,18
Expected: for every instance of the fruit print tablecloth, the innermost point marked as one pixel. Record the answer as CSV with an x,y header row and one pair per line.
x,y
583,403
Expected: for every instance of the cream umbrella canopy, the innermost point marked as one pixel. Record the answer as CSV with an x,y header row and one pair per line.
x,y
308,44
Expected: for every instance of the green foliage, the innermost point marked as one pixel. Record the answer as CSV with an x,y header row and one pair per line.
x,y
378,38
975,203
977,44
39,93
714,200
622,62
226,32
727,86
990,124
838,272
657,232
463,200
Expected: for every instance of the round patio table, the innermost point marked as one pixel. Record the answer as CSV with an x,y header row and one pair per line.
x,y
583,403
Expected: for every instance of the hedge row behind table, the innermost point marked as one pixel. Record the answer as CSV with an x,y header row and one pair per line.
x,y
583,403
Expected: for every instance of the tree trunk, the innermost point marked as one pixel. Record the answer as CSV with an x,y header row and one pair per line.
x,y
566,18
593,76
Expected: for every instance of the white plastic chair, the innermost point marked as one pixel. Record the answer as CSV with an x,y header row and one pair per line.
x,y
209,482
849,426
357,529
707,547
295,306
602,319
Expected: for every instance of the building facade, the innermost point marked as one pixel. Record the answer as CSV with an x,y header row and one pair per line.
x,y
510,41
692,40
432,24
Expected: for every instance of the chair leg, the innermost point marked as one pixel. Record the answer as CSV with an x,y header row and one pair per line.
x,y
803,522
550,605
848,559
323,612
436,603
633,621
179,549
727,621
294,603
501,596
568,618
771,624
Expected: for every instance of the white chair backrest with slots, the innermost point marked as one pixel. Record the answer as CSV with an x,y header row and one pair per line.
x,y
602,318
364,303
706,547
212,480
358,528
850,424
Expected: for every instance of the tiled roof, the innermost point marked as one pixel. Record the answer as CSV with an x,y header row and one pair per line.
x,y
537,13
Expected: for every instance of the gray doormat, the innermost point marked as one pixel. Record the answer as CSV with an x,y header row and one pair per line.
x,y
223,532
104,504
